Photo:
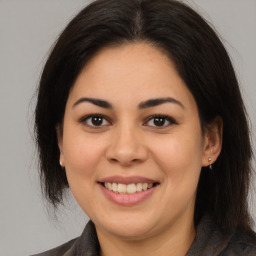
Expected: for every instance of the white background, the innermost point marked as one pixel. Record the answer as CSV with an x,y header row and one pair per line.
x,y
27,30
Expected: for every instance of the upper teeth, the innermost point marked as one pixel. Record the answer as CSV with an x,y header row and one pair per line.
x,y
127,189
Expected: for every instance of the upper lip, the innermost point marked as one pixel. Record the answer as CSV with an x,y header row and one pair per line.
x,y
127,180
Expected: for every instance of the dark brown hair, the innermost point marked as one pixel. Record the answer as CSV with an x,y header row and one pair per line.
x,y
201,61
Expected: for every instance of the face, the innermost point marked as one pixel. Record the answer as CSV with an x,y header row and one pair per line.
x,y
132,144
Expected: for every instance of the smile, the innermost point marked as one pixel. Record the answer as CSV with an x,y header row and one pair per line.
x,y
127,188
128,191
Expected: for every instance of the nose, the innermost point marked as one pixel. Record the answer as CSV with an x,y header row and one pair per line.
x,y
126,146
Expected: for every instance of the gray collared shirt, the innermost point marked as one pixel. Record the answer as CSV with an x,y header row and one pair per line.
x,y
209,241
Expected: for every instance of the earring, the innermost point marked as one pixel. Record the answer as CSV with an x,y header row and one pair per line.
x,y
61,164
210,161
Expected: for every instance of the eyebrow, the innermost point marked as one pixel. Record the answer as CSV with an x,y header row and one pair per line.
x,y
158,101
97,102
145,104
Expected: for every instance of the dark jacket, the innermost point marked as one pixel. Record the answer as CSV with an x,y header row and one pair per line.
x,y
209,241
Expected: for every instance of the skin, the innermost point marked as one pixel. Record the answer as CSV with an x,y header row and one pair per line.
x,y
128,143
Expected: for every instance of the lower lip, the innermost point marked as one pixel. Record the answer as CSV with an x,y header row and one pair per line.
x,y
127,199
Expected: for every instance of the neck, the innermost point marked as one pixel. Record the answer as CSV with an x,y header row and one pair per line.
x,y
174,241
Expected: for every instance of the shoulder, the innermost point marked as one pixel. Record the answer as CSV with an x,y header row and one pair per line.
x,y
86,244
242,243
58,251
210,240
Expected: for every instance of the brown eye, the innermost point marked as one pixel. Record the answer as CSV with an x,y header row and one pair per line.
x,y
160,121
95,121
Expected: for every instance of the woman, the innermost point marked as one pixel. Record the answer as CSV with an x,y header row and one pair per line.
x,y
139,114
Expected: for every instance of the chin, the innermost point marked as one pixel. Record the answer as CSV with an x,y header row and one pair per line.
x,y
127,228
130,232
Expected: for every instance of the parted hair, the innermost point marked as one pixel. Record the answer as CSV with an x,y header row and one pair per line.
x,y
201,61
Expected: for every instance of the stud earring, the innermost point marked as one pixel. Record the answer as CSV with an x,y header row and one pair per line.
x,y
61,164
210,161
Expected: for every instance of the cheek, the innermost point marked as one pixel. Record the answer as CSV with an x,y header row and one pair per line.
x,y
180,158
82,154
81,163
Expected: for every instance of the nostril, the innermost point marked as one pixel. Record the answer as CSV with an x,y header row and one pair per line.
x,y
126,151
125,160
113,160
136,160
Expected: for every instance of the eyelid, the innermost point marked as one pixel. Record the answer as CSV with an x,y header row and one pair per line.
x,y
85,118
171,120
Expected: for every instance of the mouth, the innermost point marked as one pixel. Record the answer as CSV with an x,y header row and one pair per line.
x,y
128,189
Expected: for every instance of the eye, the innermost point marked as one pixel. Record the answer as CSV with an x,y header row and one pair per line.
x,y
95,121
160,121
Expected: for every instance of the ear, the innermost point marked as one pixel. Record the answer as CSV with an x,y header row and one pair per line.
x,y
212,141
59,132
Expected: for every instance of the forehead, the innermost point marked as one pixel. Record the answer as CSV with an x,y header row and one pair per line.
x,y
130,71
129,56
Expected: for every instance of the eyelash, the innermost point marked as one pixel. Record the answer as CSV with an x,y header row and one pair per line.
x,y
85,119
164,118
